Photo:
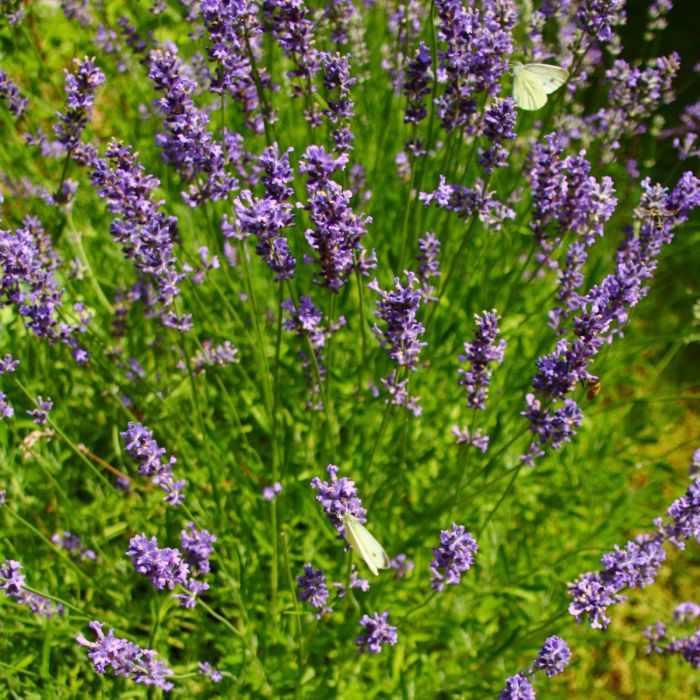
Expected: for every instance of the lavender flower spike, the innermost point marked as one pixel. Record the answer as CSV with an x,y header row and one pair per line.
x,y
480,353
10,92
453,557
12,582
377,632
125,658
80,97
338,497
140,445
518,687
553,657
314,589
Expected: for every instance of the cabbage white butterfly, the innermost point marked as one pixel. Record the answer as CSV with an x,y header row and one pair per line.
x,y
532,83
364,544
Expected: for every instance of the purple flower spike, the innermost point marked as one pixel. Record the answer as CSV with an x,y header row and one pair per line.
x,y
10,92
377,632
139,444
72,544
12,582
453,557
553,657
80,96
518,687
480,353
164,567
40,414
429,268
206,669
314,589
338,497
198,546
8,364
125,659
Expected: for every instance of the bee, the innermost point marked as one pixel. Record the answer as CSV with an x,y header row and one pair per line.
x,y
592,386
658,215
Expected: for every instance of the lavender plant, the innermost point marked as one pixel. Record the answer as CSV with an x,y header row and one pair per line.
x,y
288,235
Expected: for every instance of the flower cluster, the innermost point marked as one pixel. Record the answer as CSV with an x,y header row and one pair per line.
x,y
469,201
601,313
12,582
417,84
166,567
198,546
186,143
453,557
232,27
337,82
40,413
72,544
338,497
269,493
635,565
146,234
306,320
553,657
474,57
498,126
688,647
28,264
125,658
139,444
313,588
429,247
291,25
206,669
338,230
210,355
10,92
598,17
80,97
480,353
266,218
463,436
377,632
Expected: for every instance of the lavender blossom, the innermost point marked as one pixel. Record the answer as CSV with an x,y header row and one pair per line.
x,y
197,546
81,87
72,544
28,263
139,444
206,669
402,565
477,43
429,268
233,28
313,588
398,310
338,497
553,657
477,439
337,82
271,492
125,659
660,642
164,567
306,320
598,17
146,234
377,632
266,218
12,582
453,557
40,414
498,126
210,355
6,409
518,687
467,202
10,92
186,143
480,353
339,14
685,612
291,25
417,84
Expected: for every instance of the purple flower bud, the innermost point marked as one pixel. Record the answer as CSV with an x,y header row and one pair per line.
x,y
10,92
313,588
377,632
553,657
197,546
206,669
453,557
518,687
338,497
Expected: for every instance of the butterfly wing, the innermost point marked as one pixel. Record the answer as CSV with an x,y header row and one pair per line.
x,y
528,91
549,77
362,541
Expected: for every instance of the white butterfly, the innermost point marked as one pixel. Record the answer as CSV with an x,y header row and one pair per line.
x,y
364,544
532,83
